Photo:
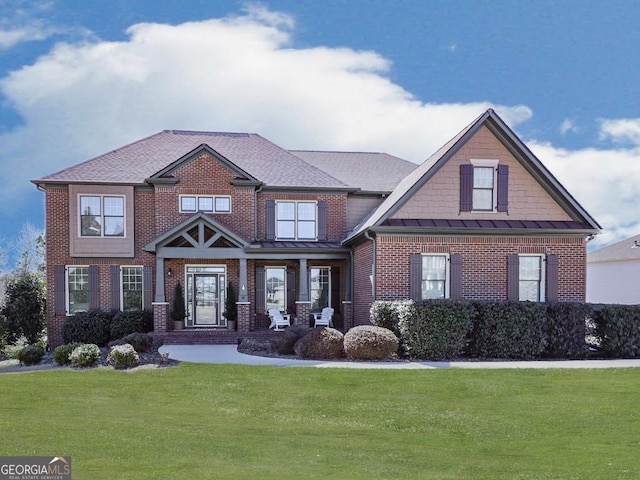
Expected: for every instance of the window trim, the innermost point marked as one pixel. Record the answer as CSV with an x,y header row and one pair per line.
x,y
67,290
447,272
142,297
197,198
485,163
102,197
296,221
284,287
542,294
329,286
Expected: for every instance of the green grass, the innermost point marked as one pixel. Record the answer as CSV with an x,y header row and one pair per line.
x,y
239,422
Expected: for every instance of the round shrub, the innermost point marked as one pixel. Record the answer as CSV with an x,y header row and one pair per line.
x,y
31,354
85,355
284,342
141,342
123,357
61,353
254,345
132,321
368,342
320,343
88,327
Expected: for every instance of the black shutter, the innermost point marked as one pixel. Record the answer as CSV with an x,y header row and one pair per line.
x,y
466,187
59,285
455,273
94,287
552,278
415,276
322,221
114,275
261,305
335,289
291,291
513,277
147,286
503,188
271,220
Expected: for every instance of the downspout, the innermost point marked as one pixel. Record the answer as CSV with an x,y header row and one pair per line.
x,y
373,265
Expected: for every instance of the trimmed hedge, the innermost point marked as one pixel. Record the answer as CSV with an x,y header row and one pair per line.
x,y
618,330
320,344
509,330
370,342
567,330
88,327
435,329
31,354
132,321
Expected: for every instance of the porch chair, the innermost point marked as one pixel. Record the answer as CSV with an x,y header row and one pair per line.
x,y
278,319
324,318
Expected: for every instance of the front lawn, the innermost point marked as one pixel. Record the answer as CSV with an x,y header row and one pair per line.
x,y
239,422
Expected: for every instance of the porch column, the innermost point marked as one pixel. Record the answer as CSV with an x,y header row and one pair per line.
x,y
160,295
303,304
243,289
303,283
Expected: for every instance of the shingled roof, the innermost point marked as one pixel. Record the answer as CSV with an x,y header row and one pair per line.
x,y
627,249
138,161
368,171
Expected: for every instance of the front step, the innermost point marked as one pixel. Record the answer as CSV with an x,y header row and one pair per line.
x,y
208,337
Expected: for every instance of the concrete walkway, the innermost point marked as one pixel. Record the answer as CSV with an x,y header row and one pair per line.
x,y
229,354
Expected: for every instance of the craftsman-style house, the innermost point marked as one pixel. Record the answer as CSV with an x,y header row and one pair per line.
x,y
302,230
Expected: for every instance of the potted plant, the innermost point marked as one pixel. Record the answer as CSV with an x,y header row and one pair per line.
x,y
231,308
178,312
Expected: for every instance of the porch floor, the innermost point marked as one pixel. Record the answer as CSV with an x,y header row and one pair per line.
x,y
209,336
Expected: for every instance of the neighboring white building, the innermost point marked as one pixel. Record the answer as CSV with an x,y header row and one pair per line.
x,y
613,273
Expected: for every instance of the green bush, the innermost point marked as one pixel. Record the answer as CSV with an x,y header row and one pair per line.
x,y
88,327
61,353
123,357
23,312
567,329
85,355
618,330
13,350
31,354
132,321
435,329
370,342
509,330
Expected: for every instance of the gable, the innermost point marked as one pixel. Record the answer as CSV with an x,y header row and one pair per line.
x,y
439,198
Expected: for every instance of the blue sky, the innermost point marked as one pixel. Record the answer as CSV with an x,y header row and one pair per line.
x,y
80,78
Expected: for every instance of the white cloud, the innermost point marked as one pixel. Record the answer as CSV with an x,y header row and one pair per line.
x,y
567,126
626,131
243,73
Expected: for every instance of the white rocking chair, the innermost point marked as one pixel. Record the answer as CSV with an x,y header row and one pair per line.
x,y
278,319
324,318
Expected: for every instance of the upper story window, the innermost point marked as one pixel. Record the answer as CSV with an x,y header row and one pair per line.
x,y
296,220
102,216
484,186
205,203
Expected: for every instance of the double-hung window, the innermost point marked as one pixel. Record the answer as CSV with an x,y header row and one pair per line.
x,y
102,216
484,185
276,288
435,276
531,278
132,291
77,289
320,288
296,220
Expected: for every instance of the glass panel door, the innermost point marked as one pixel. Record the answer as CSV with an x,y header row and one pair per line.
x,y
206,305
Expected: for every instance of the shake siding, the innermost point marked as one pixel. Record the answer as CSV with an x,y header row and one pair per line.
x,y
440,196
484,271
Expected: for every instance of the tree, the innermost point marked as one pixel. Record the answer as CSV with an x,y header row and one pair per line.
x,y
31,249
230,305
24,307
